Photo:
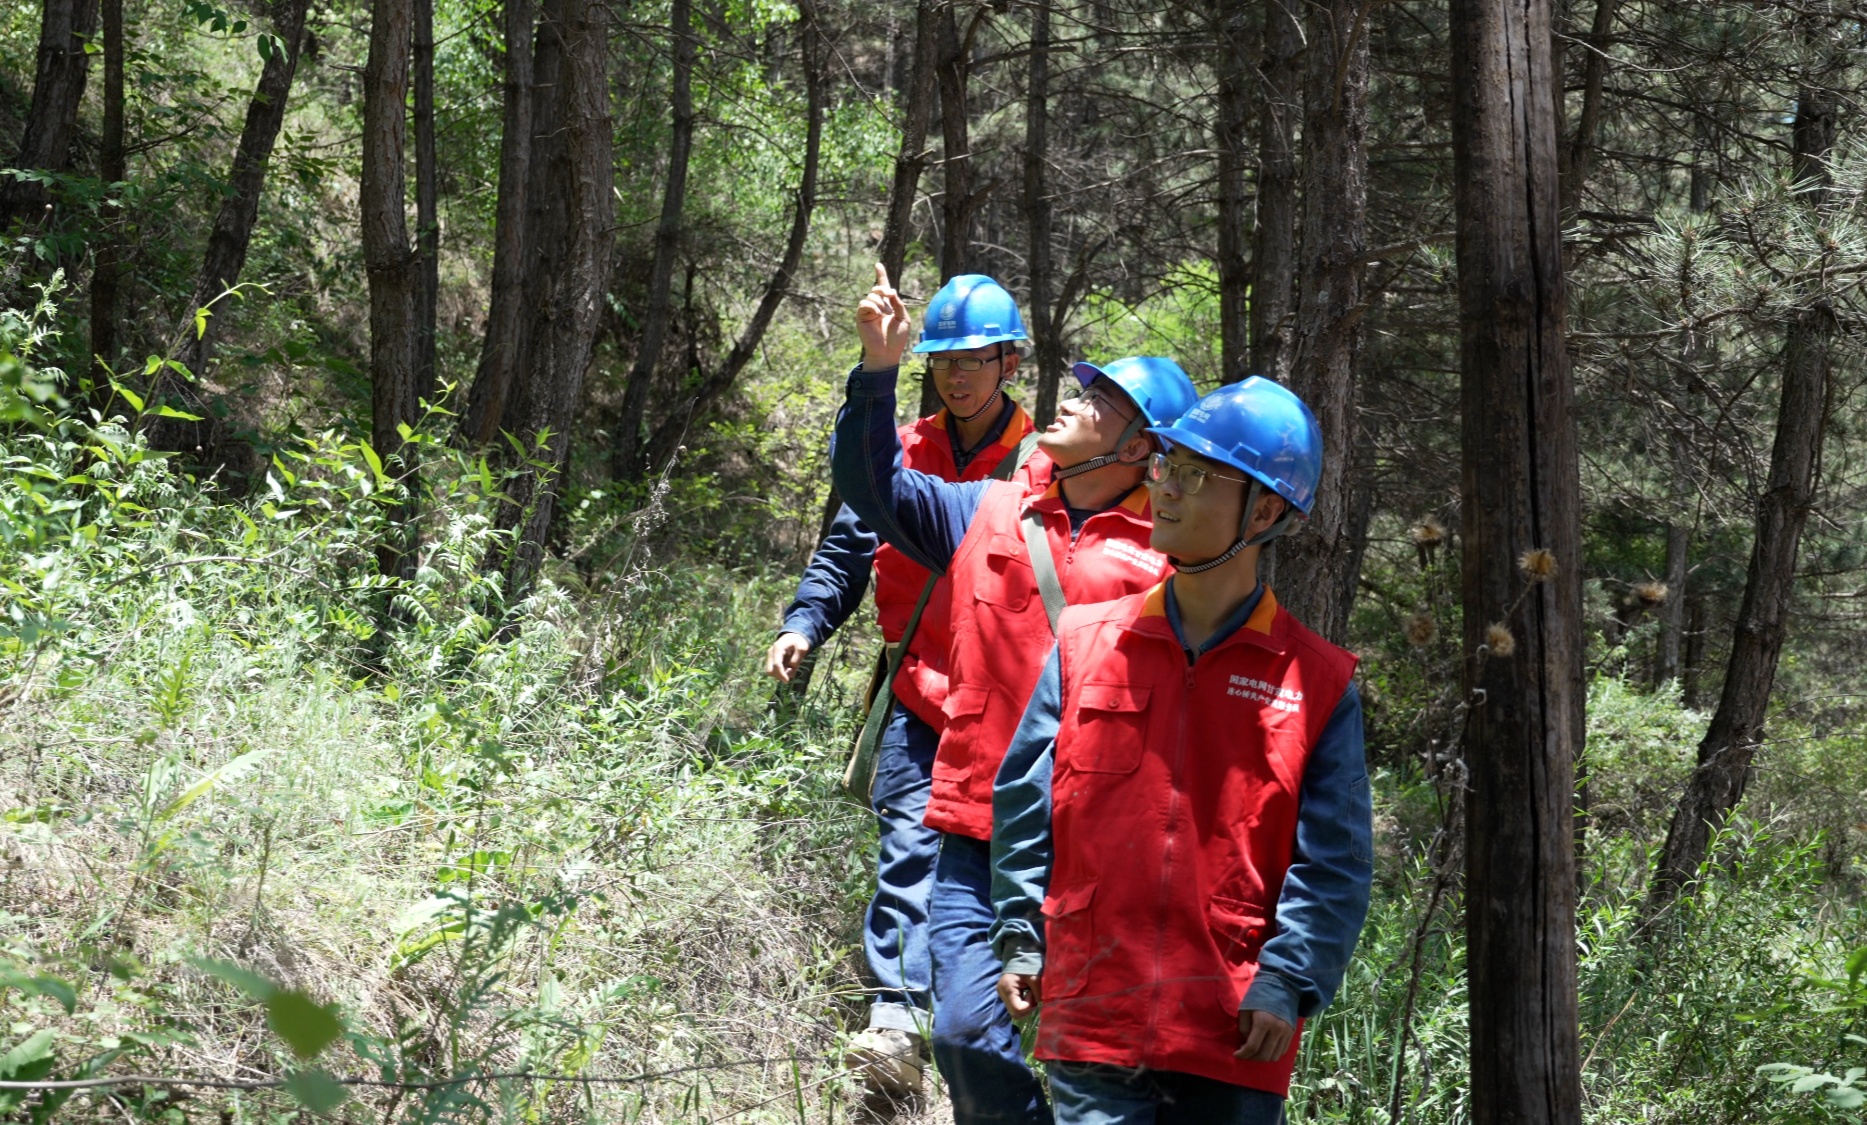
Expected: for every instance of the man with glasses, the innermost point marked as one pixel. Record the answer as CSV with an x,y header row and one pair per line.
x,y
1014,557
1184,841
976,436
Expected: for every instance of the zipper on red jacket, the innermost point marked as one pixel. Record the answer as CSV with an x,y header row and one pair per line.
x,y
1171,835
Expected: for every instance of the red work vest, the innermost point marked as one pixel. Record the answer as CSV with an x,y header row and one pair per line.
x,y
925,447
1174,814
1001,635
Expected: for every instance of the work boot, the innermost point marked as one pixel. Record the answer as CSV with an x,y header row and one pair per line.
x,y
888,1060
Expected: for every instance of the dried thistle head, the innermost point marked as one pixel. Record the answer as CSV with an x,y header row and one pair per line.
x,y
1538,564
1499,640
1429,533
1651,593
1421,629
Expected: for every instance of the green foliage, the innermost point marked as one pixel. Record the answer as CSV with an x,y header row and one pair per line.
x,y
490,838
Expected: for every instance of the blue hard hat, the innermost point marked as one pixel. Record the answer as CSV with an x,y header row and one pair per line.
x,y
1155,383
1260,427
970,311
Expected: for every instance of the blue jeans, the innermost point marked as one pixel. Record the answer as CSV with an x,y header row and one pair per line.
x,y
894,935
975,1044
1093,1094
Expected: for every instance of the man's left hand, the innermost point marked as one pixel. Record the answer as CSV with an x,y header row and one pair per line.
x,y
1266,1037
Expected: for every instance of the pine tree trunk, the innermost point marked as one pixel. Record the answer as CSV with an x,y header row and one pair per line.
x,y
503,346
546,238
427,204
1523,639
52,120
565,334
911,160
232,234
107,265
1232,62
956,201
1672,612
1580,155
1730,744
1311,560
1273,252
629,463
1047,353
669,434
387,258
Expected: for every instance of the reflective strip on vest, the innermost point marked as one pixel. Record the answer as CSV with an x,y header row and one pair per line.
x,y
1174,816
1001,636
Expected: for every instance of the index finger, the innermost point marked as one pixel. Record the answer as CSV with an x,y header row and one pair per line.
x,y
881,276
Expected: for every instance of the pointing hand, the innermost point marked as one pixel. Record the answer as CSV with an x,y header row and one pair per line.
x,y
883,324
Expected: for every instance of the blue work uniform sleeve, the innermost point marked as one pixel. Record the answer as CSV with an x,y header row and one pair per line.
x,y
923,516
1325,896
1022,848
834,582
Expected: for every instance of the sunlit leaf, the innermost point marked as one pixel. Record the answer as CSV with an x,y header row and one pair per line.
x,y
317,1091
306,1025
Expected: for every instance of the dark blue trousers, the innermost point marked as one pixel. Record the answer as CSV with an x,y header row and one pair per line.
x,y
975,1044
895,930
1092,1094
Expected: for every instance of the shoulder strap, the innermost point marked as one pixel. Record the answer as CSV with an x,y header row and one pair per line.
x,y
1009,466
1049,586
859,774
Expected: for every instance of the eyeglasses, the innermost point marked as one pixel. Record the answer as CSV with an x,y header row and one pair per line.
x,y
967,363
1097,399
1190,477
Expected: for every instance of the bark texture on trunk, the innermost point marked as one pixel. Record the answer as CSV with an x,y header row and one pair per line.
x,y
1672,611
565,333
386,256
232,234
630,463
1580,156
1726,753
427,204
1523,638
1232,124
107,264
1311,560
911,160
957,205
503,346
1047,351
713,384
1273,249
57,91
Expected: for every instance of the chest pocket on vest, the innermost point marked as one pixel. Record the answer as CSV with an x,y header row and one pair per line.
x,y
1112,720
1009,582
1069,940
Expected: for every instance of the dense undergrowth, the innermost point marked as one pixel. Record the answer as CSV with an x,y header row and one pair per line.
x,y
269,818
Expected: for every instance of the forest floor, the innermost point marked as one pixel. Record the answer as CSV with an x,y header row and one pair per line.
x,y
250,833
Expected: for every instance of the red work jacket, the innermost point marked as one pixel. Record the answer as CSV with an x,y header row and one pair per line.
x,y
921,685
1174,814
1001,635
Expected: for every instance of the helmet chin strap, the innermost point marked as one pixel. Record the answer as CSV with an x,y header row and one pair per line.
x,y
989,403
1290,516
1103,459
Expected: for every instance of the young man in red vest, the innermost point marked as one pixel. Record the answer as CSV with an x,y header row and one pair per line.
x,y
1184,855
1014,555
970,439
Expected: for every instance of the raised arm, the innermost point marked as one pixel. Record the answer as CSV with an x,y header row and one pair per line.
x,y
922,515
1325,896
